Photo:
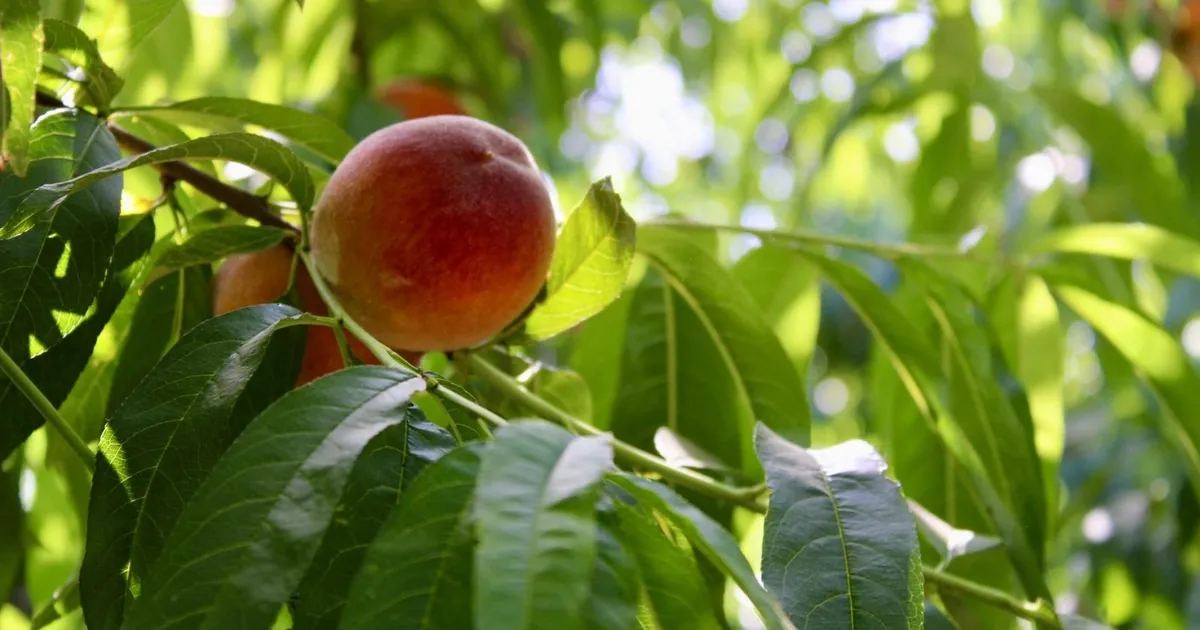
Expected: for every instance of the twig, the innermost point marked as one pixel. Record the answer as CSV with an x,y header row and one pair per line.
x,y
1032,611
35,396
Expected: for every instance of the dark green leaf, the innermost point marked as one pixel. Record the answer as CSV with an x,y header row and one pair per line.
x,y
311,131
615,589
257,152
21,35
52,273
710,539
384,472
11,548
839,546
591,261
536,526
417,573
242,545
218,243
166,436
99,83
761,369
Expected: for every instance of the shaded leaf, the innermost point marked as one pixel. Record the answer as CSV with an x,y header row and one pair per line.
x,y
242,545
613,599
217,243
710,539
311,131
386,469
99,82
564,389
21,33
417,573
591,261
787,289
536,526
257,152
839,546
167,435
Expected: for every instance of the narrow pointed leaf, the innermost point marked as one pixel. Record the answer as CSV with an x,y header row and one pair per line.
x,y
122,37
950,541
1158,357
21,36
99,83
49,277
710,539
749,347
417,573
165,438
386,469
257,152
591,261
1127,241
613,600
218,243
840,547
311,131
243,543
536,526
787,289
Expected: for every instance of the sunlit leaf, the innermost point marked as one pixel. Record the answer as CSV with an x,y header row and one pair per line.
x,y
840,549
564,389
536,525
1127,241
99,82
950,541
245,539
167,435
787,289
22,36
218,243
591,260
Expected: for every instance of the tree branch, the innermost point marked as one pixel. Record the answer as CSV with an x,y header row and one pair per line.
x,y
1032,611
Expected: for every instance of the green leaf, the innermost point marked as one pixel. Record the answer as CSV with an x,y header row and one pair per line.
x,y
257,152
565,389
536,526
311,131
141,17
591,261
220,242
99,82
417,573
613,600
1158,358
386,469
1120,148
710,539
596,356
11,547
244,541
56,370
761,369
787,289
674,592
839,546
1127,241
64,602
21,36
53,272
949,541
167,435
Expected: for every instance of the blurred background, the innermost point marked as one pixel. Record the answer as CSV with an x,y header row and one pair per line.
x,y
971,123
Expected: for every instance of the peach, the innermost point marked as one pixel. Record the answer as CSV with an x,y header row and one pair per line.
x,y
261,278
417,99
435,233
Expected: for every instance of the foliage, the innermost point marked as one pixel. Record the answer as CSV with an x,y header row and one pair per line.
x,y
861,314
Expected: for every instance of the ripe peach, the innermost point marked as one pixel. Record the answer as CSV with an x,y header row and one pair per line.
x,y
435,233
261,278
417,99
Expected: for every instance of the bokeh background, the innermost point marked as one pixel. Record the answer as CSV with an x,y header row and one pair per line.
x,y
971,123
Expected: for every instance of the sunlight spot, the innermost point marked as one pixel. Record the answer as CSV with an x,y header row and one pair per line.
x,y
1036,172
35,346
972,238
1098,525
28,489
1191,338
730,10
695,32
819,20
742,244
900,143
998,61
1074,169
758,216
1144,60
895,35
831,396
659,170
987,13
796,46
776,181
771,135
211,8
847,11
805,85
1080,338
983,123
574,143
837,85
64,261
236,171
1159,489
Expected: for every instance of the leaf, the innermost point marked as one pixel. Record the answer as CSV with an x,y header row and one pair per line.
x,y
1127,241
218,243
385,471
167,435
55,371
417,573
99,82
536,527
1119,148
1158,358
52,273
242,545
839,546
787,289
11,547
674,591
564,389
682,452
311,131
950,541
591,261
22,36
747,345
257,152
141,18
596,356
710,539
613,600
